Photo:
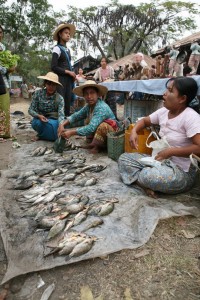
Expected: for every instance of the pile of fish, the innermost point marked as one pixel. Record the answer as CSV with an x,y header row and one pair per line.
x,y
47,198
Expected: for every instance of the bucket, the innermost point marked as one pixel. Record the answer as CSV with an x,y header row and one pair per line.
x,y
142,138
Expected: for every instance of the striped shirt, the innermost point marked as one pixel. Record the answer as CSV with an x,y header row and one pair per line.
x,y
42,104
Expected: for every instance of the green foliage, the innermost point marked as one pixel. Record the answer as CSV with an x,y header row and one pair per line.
x,y
8,60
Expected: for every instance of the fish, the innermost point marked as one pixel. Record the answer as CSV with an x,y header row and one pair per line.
x,y
56,229
33,211
57,184
80,217
47,222
91,181
93,224
106,209
42,151
94,209
36,151
69,177
48,151
84,199
26,175
56,172
44,211
51,196
23,185
81,182
91,168
82,247
75,208
69,246
71,199
44,171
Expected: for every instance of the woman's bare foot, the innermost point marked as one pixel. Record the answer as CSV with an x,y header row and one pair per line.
x,y
150,193
88,146
35,139
94,150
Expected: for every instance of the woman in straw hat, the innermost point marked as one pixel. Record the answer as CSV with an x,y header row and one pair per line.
x,y
47,108
99,118
61,63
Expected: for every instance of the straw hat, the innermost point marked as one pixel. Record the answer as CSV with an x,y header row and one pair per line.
x,y
90,83
51,77
71,27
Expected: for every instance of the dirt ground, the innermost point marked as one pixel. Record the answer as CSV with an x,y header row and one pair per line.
x,y
167,267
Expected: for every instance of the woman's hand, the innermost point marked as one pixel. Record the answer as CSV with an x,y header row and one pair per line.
x,y
42,118
68,133
164,154
133,140
61,128
72,74
11,69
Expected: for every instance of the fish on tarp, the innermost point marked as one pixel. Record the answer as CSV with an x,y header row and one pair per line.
x,y
56,229
80,217
82,248
56,172
69,177
75,208
91,168
47,222
44,211
57,184
93,224
26,174
49,151
70,199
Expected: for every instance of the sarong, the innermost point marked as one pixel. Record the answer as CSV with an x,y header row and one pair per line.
x,y
5,115
100,136
46,130
167,178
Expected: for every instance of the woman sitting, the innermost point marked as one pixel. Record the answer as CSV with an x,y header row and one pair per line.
x,y
99,118
180,125
47,108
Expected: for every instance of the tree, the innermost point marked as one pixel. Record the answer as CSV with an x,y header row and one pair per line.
x,y
28,28
118,30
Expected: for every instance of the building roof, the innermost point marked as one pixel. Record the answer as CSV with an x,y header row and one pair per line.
x,y
182,43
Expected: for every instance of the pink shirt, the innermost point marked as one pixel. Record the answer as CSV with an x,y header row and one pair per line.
x,y
105,73
178,131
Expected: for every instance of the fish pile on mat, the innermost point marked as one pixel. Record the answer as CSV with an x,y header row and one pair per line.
x,y
46,197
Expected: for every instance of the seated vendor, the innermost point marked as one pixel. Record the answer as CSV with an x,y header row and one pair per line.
x,y
180,125
99,118
47,108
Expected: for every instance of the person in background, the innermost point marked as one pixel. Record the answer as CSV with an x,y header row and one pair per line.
x,y
80,78
99,119
104,72
4,98
47,108
61,63
180,125
194,59
24,90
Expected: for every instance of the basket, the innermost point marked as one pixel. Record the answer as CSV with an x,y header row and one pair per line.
x,y
115,144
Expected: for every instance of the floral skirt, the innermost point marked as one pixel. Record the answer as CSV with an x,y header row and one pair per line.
x,y
100,137
5,115
167,178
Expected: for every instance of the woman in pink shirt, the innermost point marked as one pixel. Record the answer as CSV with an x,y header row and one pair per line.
x,y
104,72
180,125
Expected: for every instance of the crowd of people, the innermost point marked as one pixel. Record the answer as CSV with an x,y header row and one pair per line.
x,y
50,108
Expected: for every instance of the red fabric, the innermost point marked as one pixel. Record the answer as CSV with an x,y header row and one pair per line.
x,y
112,123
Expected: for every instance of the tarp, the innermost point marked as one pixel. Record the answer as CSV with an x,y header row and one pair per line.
x,y
129,226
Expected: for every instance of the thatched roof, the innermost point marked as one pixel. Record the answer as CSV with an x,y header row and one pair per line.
x,y
128,60
182,43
